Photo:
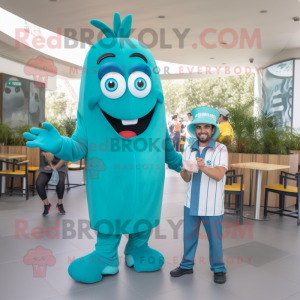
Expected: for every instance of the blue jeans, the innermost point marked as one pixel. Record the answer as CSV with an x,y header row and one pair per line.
x,y
213,228
176,141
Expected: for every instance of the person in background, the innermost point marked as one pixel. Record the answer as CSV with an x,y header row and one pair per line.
x,y
189,140
182,127
48,163
224,126
182,132
175,133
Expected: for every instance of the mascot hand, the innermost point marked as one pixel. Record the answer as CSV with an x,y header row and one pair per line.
x,y
47,139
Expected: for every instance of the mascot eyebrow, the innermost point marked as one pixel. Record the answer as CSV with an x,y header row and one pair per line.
x,y
139,55
105,55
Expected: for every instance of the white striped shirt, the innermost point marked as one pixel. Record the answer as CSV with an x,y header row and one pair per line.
x,y
205,196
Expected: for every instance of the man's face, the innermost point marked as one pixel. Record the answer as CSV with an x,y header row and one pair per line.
x,y
204,132
220,119
190,117
175,119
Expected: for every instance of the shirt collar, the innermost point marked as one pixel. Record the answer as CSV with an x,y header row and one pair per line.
x,y
211,144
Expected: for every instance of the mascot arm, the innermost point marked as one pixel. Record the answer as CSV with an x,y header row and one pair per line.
x,y
173,158
76,147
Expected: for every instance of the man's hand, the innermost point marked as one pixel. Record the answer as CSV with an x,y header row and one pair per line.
x,y
185,170
47,168
186,175
200,163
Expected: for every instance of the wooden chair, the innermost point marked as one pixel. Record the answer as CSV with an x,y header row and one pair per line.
x,y
75,167
31,170
236,189
284,190
15,173
229,181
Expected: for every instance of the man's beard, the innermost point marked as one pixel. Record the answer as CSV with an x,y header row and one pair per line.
x,y
203,140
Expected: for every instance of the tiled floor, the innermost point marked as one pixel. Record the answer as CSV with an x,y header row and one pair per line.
x,y
262,264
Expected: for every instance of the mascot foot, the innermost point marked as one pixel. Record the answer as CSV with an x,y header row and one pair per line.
x,y
145,260
89,268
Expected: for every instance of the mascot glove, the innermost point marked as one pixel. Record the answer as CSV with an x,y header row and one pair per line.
x,y
48,139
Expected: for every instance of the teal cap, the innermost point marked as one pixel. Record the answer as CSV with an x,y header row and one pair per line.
x,y
206,115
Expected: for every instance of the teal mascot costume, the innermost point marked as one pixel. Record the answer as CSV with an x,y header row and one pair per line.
x,y
121,131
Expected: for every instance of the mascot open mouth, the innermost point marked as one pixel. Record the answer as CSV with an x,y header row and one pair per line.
x,y
130,128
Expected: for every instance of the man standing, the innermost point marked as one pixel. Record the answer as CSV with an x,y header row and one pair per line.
x,y
182,133
190,117
224,126
175,133
205,196
189,140
181,126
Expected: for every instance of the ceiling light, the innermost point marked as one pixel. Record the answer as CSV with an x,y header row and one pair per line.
x,y
161,17
263,11
296,19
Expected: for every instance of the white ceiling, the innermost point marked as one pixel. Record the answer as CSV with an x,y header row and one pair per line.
x,y
278,30
20,56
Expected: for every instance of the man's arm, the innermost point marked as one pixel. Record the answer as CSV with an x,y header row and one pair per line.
x,y
59,164
221,165
185,175
216,173
171,129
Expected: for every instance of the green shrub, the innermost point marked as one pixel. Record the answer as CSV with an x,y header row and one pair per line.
x,y
13,136
259,134
69,126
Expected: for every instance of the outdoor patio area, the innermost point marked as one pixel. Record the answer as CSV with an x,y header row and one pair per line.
x,y
262,266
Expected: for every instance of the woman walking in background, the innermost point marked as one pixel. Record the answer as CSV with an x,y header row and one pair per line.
x,y
48,163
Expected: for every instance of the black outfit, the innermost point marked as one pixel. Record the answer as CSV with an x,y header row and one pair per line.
x,y
43,180
44,163
175,136
182,129
219,278
45,175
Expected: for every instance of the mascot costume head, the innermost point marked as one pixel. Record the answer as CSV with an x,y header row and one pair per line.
x,y
121,131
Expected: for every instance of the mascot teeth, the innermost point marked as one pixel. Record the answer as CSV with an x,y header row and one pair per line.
x,y
129,122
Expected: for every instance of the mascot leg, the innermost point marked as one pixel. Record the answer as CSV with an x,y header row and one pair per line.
x,y
139,255
103,261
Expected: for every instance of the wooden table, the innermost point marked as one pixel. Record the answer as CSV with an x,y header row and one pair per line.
x,y
7,156
259,167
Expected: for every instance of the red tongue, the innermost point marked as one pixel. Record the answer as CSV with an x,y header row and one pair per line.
x,y
127,134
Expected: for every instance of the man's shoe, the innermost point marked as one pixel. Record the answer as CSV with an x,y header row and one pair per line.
x,y
220,277
179,272
60,209
47,209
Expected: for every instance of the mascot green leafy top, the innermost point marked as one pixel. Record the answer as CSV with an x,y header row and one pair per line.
x,y
122,133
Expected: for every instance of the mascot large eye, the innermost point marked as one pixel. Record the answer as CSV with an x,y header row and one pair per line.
x,y
113,85
139,84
